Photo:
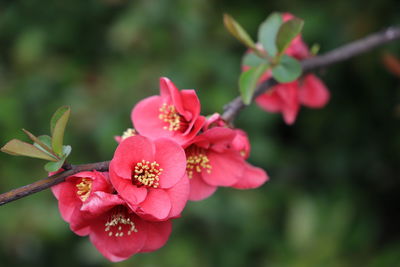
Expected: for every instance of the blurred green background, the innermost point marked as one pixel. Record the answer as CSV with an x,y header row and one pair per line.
x,y
333,198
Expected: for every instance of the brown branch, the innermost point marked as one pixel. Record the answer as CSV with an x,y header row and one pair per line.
x,y
337,55
50,181
231,110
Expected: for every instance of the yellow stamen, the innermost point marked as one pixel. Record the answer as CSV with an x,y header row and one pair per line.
x,y
169,115
84,188
147,174
128,133
117,222
197,161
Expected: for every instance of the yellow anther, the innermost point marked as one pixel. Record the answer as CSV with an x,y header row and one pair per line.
x,y
119,221
169,115
197,162
128,133
84,188
147,174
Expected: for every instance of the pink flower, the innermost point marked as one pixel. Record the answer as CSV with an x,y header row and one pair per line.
x,y
150,176
116,231
174,114
286,98
214,160
76,190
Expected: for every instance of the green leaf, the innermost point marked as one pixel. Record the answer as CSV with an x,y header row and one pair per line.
x,y
54,166
56,117
58,124
267,33
66,151
248,81
252,60
287,32
237,31
288,69
45,139
315,49
19,148
40,144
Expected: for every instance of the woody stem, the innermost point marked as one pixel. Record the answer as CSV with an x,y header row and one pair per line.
x,y
230,110
336,55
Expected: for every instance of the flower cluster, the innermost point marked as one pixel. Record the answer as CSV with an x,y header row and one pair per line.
x,y
173,155
286,98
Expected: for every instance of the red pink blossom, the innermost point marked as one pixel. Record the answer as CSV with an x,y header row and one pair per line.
x,y
150,176
215,159
174,114
286,98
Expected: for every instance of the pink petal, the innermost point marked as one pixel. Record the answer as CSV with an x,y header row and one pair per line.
x,y
81,231
289,95
287,16
128,191
172,160
145,118
226,168
191,105
298,49
101,202
313,92
241,143
171,95
199,189
217,139
213,121
157,235
178,195
156,206
118,248
253,177
270,101
186,139
129,152
68,200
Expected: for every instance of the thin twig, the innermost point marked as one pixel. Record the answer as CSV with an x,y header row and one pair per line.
x,y
231,109
337,55
50,181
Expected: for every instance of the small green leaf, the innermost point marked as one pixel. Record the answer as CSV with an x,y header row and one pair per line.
x,y
288,69
237,31
252,60
45,139
40,144
54,166
287,32
56,116
267,33
315,49
66,151
19,148
248,81
58,124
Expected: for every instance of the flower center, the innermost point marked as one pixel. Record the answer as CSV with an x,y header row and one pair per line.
x,y
84,188
169,115
197,161
119,223
128,133
147,174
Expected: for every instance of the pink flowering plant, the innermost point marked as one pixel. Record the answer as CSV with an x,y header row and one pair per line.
x,y
173,153
287,96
